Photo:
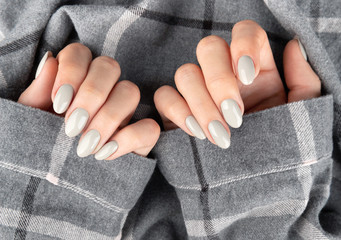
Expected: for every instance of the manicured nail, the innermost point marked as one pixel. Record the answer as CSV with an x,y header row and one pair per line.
x,y
219,134
42,63
88,143
232,113
195,128
76,122
246,70
304,54
106,150
63,98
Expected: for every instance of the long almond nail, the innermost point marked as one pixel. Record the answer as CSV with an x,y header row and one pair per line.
x,y
42,63
76,122
63,98
195,128
106,150
88,143
232,113
246,70
219,134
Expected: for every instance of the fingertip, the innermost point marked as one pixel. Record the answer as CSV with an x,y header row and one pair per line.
x,y
42,85
302,81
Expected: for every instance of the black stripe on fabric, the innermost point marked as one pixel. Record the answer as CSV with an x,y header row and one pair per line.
x,y
208,17
194,23
21,43
315,8
315,14
204,201
26,208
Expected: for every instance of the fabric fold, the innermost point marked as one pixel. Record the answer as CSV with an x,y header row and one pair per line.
x,y
34,142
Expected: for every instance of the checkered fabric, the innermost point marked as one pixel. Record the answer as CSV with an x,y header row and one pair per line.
x,y
280,178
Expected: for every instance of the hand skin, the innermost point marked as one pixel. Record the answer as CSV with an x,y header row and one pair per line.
x,y
221,75
109,103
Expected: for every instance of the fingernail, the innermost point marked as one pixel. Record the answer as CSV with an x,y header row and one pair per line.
x,y
232,113
304,54
41,64
88,143
106,150
246,70
219,134
63,98
76,122
195,128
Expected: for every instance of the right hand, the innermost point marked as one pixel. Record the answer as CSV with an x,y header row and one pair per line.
x,y
215,95
96,104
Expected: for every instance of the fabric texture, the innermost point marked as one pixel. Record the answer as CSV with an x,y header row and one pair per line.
x,y
280,178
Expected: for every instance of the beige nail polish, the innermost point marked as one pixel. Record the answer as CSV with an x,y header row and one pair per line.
x,y
88,143
76,122
232,113
42,63
219,134
108,149
246,70
194,127
63,98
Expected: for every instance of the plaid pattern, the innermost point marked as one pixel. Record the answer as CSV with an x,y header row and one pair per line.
x,y
280,179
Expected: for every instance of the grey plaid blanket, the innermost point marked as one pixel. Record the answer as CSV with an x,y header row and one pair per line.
x,y
280,178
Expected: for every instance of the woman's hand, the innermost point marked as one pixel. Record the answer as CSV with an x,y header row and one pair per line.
x,y
231,81
96,104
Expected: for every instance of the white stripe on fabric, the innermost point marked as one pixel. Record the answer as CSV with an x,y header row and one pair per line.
x,y
3,83
304,131
308,231
2,36
304,176
42,175
118,28
59,153
49,226
327,25
306,143
195,228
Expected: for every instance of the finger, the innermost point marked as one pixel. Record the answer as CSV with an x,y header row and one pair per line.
x,y
302,81
74,61
191,84
213,54
121,103
250,51
174,111
42,85
102,75
139,138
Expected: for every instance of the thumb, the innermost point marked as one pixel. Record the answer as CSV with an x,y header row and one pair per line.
x,y
38,94
302,81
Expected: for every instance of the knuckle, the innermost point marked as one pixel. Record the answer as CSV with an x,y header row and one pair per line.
x,y
108,63
172,109
208,42
161,92
216,80
153,130
245,23
129,88
184,73
70,71
258,32
91,90
77,48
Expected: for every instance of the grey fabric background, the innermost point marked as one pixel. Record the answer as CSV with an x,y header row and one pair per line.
x,y
280,179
